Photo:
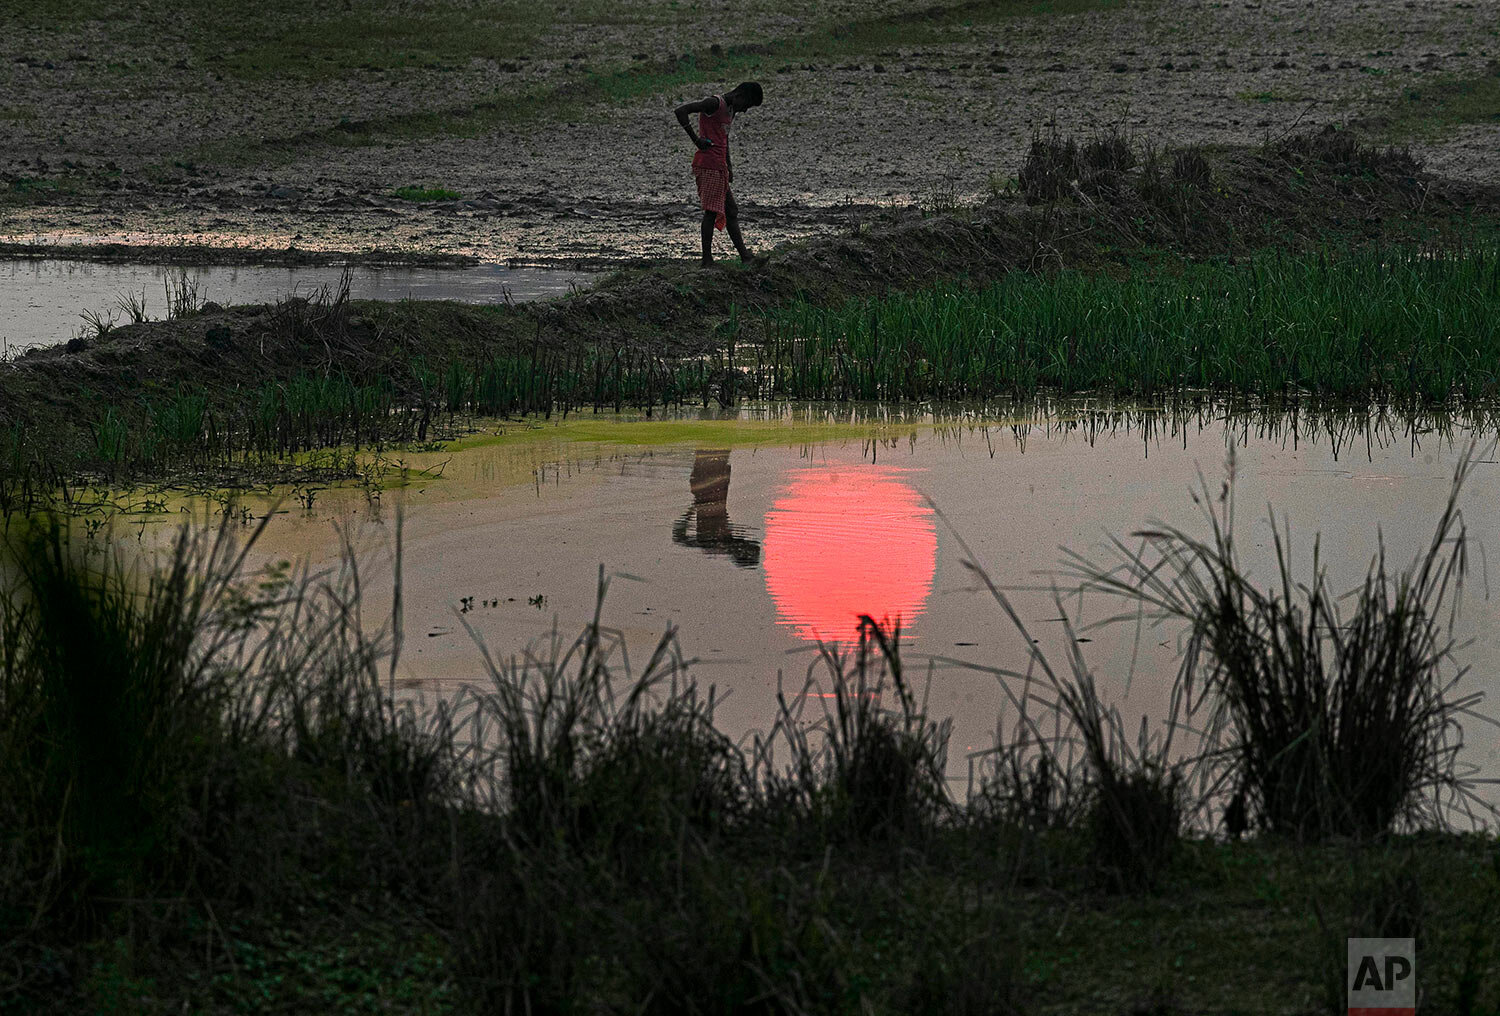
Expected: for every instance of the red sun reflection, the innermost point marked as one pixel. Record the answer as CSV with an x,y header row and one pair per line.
x,y
841,544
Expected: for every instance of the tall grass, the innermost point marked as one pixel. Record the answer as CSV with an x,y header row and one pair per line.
x,y
181,292
1339,716
580,754
162,729
1364,325
179,740
1132,799
133,306
1416,328
865,769
608,780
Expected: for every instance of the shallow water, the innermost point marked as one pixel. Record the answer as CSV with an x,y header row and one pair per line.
x,y
757,537
41,300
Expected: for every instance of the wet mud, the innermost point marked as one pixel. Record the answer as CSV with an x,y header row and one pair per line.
x,y
259,161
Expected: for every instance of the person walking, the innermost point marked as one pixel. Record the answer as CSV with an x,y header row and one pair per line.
x,y
712,167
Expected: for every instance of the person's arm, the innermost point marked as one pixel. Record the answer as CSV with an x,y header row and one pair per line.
x,y
708,105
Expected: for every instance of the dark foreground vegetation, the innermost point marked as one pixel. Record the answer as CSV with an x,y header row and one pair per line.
x,y
212,799
1311,266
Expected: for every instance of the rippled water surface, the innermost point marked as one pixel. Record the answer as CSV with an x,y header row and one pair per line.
x,y
760,538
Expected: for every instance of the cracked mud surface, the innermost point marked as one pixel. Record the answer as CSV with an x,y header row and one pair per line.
x,y
172,140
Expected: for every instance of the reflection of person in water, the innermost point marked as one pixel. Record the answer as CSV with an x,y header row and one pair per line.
x,y
712,531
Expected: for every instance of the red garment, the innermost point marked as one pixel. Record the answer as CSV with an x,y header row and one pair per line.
x,y
713,186
715,127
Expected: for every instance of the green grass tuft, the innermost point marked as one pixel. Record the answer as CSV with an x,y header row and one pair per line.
x,y
413,192
1404,324
1443,103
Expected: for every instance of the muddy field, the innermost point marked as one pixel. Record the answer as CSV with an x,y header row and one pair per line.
x,y
168,125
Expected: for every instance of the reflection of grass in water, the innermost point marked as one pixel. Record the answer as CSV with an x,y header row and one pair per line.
x,y
504,453
512,453
648,433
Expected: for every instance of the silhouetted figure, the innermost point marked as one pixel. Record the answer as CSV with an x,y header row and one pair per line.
x,y
712,167
712,531
1237,814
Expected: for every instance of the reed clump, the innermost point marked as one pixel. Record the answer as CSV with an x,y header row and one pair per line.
x,y
1061,167
1131,799
1347,154
172,737
1336,715
861,770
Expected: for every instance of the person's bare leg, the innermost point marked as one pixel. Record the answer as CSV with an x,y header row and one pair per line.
x,y
708,237
732,225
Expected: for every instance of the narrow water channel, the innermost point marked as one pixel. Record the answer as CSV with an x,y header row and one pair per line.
x,y
42,300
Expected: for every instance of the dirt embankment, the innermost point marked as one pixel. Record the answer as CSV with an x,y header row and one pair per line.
x,y
1110,205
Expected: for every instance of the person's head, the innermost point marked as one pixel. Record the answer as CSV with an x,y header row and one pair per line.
x,y
744,95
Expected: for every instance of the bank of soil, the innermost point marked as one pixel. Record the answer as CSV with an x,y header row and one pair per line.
x,y
158,126
1304,192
